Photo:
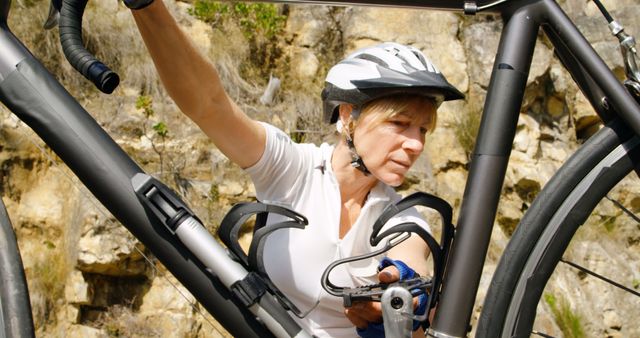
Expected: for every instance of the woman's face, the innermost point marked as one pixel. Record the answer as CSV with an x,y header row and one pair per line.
x,y
390,146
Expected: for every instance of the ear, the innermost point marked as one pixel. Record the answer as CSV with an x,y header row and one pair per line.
x,y
345,113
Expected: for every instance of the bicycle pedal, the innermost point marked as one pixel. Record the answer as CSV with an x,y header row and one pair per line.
x,y
374,292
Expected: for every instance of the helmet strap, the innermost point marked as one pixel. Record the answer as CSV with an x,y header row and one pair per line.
x,y
346,130
356,160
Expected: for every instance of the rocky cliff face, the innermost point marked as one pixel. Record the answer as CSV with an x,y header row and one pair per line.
x,y
89,277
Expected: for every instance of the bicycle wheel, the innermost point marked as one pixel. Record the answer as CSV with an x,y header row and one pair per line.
x,y
15,307
529,272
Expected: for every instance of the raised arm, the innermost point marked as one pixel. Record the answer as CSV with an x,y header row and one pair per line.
x,y
193,83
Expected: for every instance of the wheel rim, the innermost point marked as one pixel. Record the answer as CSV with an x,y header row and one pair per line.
x,y
519,320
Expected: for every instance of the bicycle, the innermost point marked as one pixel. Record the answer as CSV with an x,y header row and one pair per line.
x,y
242,300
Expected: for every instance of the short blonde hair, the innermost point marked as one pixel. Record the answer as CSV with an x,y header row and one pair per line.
x,y
389,106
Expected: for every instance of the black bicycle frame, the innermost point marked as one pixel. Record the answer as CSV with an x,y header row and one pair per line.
x,y
36,98
497,130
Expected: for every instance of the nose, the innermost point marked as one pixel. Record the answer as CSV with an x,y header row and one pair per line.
x,y
414,141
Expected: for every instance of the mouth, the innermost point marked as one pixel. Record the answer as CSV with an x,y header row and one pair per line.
x,y
404,164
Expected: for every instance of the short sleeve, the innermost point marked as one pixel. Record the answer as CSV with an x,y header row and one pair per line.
x,y
410,215
280,169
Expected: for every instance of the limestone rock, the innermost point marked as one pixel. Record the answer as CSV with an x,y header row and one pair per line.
x,y
306,25
439,160
107,248
76,290
43,205
165,304
85,332
230,188
611,319
481,55
527,136
304,64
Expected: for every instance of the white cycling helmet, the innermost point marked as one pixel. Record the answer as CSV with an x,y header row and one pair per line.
x,y
385,69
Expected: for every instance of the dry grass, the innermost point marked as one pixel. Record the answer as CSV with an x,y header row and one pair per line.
x,y
47,284
466,129
121,321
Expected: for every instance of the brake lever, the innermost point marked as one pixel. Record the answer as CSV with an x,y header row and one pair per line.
x,y
628,49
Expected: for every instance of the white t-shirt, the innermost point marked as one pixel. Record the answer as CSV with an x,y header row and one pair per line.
x,y
299,176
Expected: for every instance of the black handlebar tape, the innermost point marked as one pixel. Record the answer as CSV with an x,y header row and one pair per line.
x,y
82,60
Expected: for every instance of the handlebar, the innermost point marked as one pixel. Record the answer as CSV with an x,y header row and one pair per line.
x,y
466,6
72,44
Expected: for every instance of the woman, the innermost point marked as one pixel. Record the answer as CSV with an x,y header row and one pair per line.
x,y
384,100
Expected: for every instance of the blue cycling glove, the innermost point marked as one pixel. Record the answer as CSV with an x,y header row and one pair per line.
x,y
376,330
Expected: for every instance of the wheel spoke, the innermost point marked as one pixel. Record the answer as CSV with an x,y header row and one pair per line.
x,y
601,277
542,334
625,210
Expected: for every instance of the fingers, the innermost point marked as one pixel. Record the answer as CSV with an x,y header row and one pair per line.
x,y
389,274
355,318
361,314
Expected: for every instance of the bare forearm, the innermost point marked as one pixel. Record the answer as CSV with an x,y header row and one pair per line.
x,y
190,79
194,85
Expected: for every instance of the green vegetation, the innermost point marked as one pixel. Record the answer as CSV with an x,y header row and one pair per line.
x,y
609,223
261,24
145,103
161,129
569,322
255,19
214,194
466,130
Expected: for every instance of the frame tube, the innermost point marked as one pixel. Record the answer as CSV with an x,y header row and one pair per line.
x,y
31,93
627,108
590,88
486,174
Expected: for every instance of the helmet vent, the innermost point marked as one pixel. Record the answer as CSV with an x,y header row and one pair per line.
x,y
421,58
372,58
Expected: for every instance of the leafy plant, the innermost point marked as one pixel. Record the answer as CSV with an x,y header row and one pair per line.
x,y
161,129
569,322
209,11
145,103
254,18
261,24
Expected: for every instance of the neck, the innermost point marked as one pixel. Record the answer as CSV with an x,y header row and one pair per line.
x,y
354,184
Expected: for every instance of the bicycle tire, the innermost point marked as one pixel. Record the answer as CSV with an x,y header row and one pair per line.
x,y
15,307
543,234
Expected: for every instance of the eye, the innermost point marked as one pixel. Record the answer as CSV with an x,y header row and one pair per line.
x,y
424,130
400,123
